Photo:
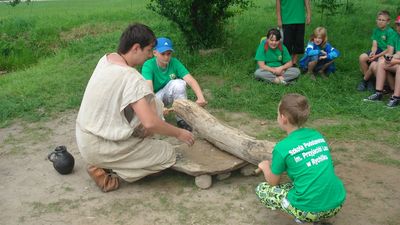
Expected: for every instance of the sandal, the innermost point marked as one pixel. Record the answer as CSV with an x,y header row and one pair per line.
x,y
105,180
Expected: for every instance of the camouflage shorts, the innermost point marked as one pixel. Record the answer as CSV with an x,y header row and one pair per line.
x,y
274,197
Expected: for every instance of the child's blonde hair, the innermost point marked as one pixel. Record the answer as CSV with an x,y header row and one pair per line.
x,y
320,31
296,108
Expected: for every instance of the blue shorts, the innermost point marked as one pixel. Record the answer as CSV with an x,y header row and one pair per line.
x,y
378,51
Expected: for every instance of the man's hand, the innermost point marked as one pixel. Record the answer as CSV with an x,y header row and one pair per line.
x,y
186,137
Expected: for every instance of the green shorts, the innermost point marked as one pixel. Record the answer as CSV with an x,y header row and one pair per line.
x,y
274,197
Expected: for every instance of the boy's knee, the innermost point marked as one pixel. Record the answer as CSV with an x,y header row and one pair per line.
x,y
363,57
179,86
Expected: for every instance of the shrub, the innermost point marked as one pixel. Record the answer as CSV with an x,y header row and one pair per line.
x,y
201,21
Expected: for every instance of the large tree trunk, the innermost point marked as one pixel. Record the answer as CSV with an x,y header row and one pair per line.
x,y
224,137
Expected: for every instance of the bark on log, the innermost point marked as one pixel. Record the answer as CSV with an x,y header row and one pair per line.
x,y
223,136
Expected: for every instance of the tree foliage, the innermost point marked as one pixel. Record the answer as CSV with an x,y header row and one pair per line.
x,y
16,2
201,21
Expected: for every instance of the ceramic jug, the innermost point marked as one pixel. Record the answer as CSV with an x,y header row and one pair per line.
x,y
62,160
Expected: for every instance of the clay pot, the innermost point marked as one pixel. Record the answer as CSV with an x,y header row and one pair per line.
x,y
62,160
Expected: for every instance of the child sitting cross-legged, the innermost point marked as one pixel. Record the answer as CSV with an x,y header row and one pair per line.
x,y
274,61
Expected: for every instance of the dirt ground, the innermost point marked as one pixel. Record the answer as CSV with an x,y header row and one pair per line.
x,y
32,192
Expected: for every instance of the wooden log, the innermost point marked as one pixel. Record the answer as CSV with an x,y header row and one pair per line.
x,y
223,136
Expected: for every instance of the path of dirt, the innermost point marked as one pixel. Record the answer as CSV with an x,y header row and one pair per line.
x,y
32,192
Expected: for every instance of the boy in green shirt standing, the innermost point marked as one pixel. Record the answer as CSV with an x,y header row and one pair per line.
x,y
316,193
167,77
291,16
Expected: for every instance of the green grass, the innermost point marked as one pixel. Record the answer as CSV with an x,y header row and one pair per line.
x,y
51,49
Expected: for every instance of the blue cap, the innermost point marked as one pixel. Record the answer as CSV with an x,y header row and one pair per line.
x,y
163,44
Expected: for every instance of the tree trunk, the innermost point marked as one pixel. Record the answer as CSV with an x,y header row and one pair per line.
x,y
223,136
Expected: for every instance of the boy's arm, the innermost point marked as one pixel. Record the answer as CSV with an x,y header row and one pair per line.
x,y
308,10
196,88
287,65
263,66
271,178
331,52
374,47
278,13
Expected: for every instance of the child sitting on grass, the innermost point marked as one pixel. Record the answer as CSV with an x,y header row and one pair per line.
x,y
388,69
381,36
316,193
319,55
274,61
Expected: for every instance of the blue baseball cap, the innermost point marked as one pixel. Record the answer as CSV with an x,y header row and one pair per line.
x,y
163,44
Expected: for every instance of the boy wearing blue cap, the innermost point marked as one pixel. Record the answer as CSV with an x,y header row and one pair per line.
x,y
167,76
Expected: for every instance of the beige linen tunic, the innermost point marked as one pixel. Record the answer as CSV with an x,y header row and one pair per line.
x,y
107,129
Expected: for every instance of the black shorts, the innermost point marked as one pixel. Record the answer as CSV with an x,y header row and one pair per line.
x,y
293,37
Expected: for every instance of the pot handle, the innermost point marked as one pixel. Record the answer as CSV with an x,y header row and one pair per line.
x,y
50,156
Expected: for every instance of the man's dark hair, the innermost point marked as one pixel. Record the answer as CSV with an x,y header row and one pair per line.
x,y
136,33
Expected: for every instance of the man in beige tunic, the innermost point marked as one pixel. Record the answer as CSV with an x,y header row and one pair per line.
x,y
119,112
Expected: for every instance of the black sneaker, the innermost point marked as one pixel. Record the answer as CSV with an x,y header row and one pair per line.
x,y
374,97
362,86
182,124
393,102
371,85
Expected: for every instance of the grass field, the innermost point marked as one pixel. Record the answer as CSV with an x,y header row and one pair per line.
x,y
50,49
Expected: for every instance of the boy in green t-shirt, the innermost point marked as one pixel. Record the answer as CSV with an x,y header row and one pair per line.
x,y
273,60
316,193
381,36
292,15
167,77
388,69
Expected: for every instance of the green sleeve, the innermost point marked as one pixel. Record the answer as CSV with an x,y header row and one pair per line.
x,y
147,70
260,54
179,68
278,165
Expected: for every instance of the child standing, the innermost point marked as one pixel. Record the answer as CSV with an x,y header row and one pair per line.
x,y
388,69
273,60
319,54
316,192
291,18
167,77
381,36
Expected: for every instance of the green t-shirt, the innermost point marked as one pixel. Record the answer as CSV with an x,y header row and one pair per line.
x,y
305,155
395,42
161,76
272,57
293,12
383,37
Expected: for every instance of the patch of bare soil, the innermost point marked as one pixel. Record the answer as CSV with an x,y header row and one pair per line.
x,y
32,192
